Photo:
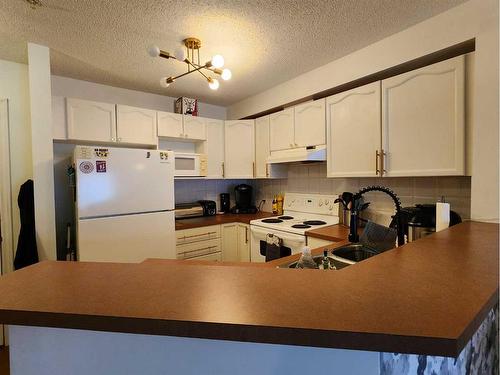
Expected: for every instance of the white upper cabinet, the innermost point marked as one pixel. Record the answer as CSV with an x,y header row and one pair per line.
x,y
194,128
423,121
135,125
261,147
239,149
282,130
170,125
353,131
310,125
214,148
90,121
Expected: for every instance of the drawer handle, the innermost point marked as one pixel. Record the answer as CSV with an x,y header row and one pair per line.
x,y
196,250
198,235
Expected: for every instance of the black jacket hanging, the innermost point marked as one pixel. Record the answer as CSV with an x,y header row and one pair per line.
x,y
26,253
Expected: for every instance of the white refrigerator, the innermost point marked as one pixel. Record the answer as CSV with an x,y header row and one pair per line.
x,y
124,204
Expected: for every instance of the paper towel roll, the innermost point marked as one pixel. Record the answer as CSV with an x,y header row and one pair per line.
x,y
442,216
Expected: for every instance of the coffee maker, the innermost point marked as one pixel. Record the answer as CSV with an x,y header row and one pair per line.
x,y
243,198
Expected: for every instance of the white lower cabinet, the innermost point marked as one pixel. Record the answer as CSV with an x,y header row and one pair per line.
x,y
235,242
135,125
314,242
203,243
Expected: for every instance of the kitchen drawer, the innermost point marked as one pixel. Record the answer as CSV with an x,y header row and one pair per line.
x,y
215,257
197,249
197,234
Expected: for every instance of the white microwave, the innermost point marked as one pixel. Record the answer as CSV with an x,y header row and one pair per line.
x,y
190,165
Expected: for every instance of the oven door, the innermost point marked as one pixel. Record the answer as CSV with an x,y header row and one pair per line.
x,y
294,242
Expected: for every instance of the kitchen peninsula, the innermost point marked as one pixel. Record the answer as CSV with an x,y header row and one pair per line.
x,y
204,318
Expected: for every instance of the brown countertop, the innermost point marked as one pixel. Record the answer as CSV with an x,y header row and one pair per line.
x,y
427,297
334,233
219,219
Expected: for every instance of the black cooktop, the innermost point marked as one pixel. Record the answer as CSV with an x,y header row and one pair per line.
x,y
272,221
314,222
301,226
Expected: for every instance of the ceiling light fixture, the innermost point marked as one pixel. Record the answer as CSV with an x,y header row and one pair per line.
x,y
191,57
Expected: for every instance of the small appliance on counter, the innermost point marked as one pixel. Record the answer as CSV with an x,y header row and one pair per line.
x,y
195,209
243,198
420,221
224,202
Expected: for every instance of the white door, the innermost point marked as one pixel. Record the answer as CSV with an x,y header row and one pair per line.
x,y
229,233
310,123
262,149
136,125
128,238
114,181
243,243
194,128
423,121
239,149
170,125
353,129
214,148
281,130
90,121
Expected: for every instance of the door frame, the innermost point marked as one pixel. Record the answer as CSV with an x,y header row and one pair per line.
x,y
7,244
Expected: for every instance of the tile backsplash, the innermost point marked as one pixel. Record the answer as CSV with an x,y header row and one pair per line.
x,y
311,178
303,178
191,190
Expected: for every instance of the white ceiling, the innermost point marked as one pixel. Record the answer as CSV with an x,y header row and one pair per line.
x,y
264,42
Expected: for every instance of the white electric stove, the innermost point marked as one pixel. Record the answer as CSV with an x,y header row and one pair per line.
x,y
302,212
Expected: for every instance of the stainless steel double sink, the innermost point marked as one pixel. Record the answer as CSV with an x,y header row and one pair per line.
x,y
341,257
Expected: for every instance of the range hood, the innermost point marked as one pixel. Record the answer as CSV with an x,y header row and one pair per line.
x,y
294,155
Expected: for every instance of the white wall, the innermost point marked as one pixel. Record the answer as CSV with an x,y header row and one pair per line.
x,y
475,19
14,86
68,87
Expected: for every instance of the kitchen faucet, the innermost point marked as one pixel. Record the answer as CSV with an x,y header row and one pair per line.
x,y
353,227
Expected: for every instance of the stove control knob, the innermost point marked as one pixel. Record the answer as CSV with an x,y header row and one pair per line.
x,y
327,201
320,203
331,207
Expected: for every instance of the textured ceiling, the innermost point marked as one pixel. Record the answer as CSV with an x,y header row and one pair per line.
x,y
263,42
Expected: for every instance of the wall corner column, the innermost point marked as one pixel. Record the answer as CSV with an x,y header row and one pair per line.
x,y
42,149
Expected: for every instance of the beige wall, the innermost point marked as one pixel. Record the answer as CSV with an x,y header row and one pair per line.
x,y
73,88
14,86
475,19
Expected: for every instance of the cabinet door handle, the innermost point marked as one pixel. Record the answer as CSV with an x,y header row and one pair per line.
x,y
253,168
185,135
197,235
119,139
291,144
267,170
181,135
223,171
246,235
113,139
382,162
377,154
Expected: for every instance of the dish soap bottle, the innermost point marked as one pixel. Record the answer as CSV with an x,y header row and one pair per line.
x,y
306,260
326,263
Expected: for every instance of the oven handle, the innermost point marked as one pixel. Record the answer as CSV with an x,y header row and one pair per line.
x,y
283,236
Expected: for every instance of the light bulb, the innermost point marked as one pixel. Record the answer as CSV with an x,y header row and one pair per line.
x,y
164,83
154,51
217,61
213,84
226,74
180,54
